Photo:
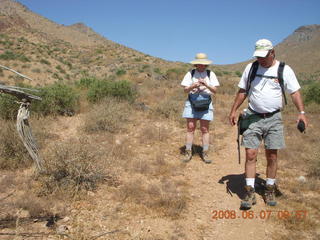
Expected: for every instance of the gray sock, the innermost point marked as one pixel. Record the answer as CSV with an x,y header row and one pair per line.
x,y
188,146
205,147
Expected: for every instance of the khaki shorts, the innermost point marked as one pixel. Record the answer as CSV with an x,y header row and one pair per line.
x,y
269,129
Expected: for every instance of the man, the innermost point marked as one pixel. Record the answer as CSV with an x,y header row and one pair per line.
x,y
265,101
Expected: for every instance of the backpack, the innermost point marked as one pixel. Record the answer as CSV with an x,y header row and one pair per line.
x,y
253,74
193,71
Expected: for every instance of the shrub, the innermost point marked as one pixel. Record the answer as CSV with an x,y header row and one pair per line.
x,y
98,90
72,166
9,55
110,115
120,72
57,99
175,73
86,82
238,73
44,61
8,107
13,154
312,93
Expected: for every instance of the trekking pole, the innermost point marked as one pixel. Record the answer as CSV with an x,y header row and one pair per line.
x,y
238,138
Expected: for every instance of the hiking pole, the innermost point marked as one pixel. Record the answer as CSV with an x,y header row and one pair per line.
x,y
238,137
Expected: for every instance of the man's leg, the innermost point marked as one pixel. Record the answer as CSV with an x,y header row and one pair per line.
x,y
204,127
250,174
272,166
191,126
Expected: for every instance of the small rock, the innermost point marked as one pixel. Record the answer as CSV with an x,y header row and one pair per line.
x,y
62,229
66,219
302,179
91,194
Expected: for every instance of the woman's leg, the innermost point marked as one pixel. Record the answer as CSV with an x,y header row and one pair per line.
x,y
191,126
204,127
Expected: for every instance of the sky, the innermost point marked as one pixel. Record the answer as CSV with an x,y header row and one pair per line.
x,y
175,30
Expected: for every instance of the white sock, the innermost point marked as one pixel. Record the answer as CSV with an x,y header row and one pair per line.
x,y
271,181
250,182
188,146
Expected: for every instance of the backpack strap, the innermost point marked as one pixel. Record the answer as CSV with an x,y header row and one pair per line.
x,y
252,75
280,78
193,71
208,73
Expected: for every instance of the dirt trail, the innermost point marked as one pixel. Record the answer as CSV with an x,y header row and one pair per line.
x,y
211,195
214,188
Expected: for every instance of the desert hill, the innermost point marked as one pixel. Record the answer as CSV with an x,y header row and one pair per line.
x,y
300,50
48,52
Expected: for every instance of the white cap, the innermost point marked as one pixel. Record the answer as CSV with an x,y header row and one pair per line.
x,y
262,48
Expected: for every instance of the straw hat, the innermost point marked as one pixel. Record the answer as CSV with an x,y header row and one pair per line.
x,y
201,58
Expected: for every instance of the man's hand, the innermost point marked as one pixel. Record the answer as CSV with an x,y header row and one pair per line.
x,y
232,118
303,118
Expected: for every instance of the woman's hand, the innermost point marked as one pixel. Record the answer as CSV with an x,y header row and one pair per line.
x,y
203,82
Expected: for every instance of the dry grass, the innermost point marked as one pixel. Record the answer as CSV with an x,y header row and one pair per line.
x,y
72,167
13,154
111,115
166,198
300,158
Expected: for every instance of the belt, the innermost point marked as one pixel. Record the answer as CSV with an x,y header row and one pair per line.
x,y
264,115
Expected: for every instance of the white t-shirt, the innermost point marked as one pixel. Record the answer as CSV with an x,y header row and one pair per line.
x,y
265,94
188,81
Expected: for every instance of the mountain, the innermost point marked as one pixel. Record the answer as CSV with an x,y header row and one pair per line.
x,y
300,50
47,51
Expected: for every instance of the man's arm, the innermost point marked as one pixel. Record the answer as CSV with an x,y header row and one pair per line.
x,y
240,97
297,100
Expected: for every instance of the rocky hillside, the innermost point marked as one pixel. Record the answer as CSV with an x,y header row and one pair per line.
x,y
302,49
48,52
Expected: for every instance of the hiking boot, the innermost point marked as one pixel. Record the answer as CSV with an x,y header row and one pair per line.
x,y
187,155
249,199
205,157
269,195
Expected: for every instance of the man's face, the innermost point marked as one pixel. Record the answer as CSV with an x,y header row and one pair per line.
x,y
266,61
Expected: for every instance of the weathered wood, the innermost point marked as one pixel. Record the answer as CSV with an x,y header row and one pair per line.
x,y
26,136
19,93
23,127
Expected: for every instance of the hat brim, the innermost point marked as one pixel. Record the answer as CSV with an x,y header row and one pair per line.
x,y
203,62
260,53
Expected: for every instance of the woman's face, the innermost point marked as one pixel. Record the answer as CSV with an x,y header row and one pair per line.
x,y
200,67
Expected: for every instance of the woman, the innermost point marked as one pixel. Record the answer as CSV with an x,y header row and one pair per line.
x,y
200,84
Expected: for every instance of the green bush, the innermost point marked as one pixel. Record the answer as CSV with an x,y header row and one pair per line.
x,y
8,107
100,89
312,93
57,99
120,72
9,55
86,82
238,73
44,61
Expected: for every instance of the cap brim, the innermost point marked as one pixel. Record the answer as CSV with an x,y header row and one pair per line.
x,y
260,53
203,62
